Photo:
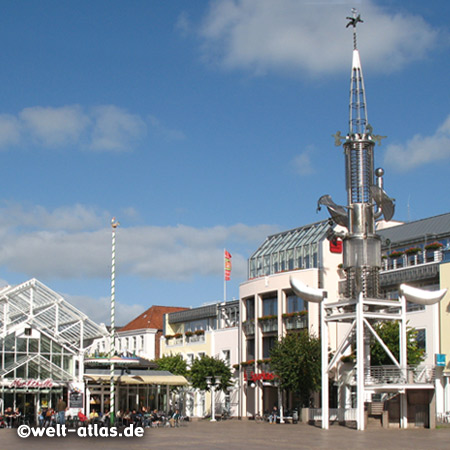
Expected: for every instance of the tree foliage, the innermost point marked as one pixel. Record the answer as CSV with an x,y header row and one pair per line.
x,y
389,332
296,361
208,366
175,364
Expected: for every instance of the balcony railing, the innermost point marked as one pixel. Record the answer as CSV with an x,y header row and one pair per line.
x,y
196,338
174,341
295,322
248,327
412,260
394,375
269,325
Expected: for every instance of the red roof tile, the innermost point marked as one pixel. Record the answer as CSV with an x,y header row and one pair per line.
x,y
152,318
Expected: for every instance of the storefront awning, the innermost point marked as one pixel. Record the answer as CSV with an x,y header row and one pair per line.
x,y
174,380
171,380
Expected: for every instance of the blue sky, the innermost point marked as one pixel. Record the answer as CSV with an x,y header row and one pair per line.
x,y
201,126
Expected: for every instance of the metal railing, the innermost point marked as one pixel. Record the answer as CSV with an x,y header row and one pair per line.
x,y
296,322
374,375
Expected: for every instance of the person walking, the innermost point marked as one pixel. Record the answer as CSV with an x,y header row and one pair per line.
x,y
61,408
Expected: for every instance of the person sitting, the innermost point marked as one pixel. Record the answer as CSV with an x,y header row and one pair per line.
x,y
156,419
174,419
146,417
9,417
105,418
17,416
82,418
93,416
274,415
48,419
127,418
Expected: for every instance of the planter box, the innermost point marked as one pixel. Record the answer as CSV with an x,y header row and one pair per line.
x,y
296,323
269,325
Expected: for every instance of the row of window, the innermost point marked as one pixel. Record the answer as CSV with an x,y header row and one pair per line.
x,y
270,305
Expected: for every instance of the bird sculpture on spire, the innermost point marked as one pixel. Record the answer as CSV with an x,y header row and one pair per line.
x,y
354,20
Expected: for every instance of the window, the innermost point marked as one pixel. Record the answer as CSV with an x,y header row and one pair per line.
x,y
250,349
250,306
189,359
421,338
294,303
268,343
270,306
226,356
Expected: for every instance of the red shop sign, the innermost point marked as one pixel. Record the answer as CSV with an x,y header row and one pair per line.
x,y
31,383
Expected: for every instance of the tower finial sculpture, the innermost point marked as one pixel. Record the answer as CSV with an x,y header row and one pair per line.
x,y
361,305
366,199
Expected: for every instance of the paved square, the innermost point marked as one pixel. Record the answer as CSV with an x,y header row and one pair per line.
x,y
248,435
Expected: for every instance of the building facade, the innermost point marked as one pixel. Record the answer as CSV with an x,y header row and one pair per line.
x,y
210,330
270,308
43,341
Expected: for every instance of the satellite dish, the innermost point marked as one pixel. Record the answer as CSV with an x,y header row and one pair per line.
x,y
307,293
421,296
337,212
383,201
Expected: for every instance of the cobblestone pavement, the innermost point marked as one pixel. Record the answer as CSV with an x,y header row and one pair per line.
x,y
248,435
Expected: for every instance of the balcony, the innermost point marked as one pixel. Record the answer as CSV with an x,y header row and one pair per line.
x,y
295,322
249,327
195,339
376,375
268,324
174,340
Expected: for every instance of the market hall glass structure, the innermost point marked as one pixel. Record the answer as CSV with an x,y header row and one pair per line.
x,y
289,250
42,340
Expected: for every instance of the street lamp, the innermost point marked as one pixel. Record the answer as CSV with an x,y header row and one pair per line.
x,y
212,385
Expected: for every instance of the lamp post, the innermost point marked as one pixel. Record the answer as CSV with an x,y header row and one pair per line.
x,y
212,385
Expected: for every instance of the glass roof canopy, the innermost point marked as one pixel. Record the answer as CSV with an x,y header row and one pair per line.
x,y
34,304
288,250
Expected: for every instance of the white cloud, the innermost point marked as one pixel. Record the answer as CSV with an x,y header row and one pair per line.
x,y
101,128
50,245
420,150
9,130
166,132
115,129
306,36
54,127
302,164
99,310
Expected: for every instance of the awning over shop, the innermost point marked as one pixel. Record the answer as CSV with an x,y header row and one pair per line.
x,y
170,380
174,380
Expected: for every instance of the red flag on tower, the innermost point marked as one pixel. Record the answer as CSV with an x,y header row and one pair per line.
x,y
227,266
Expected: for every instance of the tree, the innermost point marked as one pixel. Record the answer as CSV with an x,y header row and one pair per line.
x,y
296,361
207,366
175,364
389,332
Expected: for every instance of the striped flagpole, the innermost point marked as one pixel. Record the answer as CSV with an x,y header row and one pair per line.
x,y
114,225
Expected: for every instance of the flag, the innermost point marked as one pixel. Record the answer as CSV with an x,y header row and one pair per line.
x,y
227,266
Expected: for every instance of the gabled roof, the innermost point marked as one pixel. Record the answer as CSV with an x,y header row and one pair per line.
x,y
429,229
34,304
152,318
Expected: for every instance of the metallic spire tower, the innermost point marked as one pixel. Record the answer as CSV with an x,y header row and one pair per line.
x,y
355,312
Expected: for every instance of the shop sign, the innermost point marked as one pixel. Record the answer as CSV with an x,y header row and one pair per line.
x,y
75,399
31,383
336,246
263,376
